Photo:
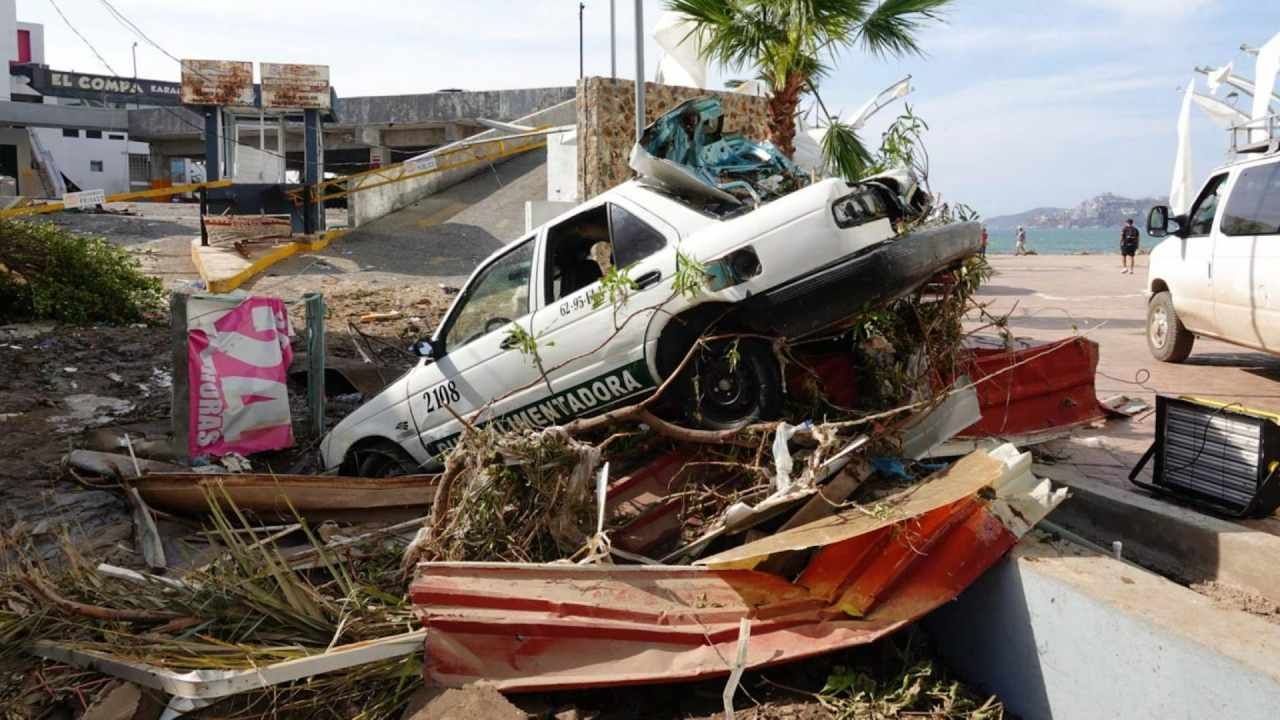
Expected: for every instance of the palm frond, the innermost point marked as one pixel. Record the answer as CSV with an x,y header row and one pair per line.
x,y
843,152
892,27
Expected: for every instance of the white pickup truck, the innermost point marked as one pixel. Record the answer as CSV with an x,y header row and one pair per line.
x,y
1217,273
789,265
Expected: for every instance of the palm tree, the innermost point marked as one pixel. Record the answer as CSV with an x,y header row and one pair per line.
x,y
791,42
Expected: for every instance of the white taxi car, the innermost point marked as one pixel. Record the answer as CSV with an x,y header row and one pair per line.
x,y
787,266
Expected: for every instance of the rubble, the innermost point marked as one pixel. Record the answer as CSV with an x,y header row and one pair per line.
x,y
649,543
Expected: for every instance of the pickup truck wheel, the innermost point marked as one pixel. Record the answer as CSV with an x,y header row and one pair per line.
x,y
733,383
383,460
1168,339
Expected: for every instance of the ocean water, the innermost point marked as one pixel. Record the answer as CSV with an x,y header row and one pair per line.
x,y
1064,241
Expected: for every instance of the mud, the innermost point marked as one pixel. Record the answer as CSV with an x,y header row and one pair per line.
x,y
1229,596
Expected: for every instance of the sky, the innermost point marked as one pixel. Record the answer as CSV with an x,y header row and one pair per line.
x,y
1030,102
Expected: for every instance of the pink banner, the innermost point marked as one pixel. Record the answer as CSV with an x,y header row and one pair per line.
x,y
238,358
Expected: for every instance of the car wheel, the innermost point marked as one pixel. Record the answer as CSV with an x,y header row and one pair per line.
x,y
1168,339
732,383
382,460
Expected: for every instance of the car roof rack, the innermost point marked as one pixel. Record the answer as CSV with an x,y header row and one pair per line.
x,y
1261,136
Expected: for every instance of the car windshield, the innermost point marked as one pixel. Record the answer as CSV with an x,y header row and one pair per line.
x,y
498,295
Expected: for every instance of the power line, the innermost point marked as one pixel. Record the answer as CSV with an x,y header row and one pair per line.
x,y
168,110
66,20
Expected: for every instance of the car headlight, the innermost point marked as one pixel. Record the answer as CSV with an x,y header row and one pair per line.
x,y
736,267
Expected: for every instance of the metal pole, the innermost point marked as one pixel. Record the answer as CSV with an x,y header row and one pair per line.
x,y
613,43
204,210
581,69
639,69
313,167
180,401
212,148
137,103
315,360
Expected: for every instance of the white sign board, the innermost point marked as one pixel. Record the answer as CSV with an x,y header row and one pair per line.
x,y
422,164
217,82
289,86
85,199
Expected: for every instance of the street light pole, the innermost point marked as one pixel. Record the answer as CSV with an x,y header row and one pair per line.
x,y
639,69
581,73
613,43
137,103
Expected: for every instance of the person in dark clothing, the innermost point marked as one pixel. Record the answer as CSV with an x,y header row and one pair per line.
x,y
1128,246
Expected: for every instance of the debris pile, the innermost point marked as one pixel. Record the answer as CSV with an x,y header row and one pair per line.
x,y
688,531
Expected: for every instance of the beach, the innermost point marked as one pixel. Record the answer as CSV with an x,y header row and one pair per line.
x,y
1064,241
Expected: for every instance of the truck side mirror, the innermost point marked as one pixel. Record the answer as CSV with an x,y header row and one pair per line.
x,y
1158,221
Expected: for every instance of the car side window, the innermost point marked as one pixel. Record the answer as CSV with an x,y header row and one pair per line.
x,y
581,250
1254,205
498,295
633,238
1206,208
578,252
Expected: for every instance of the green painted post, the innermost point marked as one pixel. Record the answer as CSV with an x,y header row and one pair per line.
x,y
315,360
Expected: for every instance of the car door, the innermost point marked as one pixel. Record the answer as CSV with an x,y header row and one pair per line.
x,y
592,345
1246,260
477,364
1192,286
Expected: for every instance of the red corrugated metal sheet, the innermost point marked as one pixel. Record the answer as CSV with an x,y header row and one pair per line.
x,y
540,627
1049,387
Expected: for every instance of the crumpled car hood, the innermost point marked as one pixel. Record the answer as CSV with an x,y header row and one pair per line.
x,y
686,152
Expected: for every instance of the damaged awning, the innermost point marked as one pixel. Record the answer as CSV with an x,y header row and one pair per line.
x,y
871,570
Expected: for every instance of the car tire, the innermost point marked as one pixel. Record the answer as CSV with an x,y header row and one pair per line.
x,y
724,390
1167,338
383,459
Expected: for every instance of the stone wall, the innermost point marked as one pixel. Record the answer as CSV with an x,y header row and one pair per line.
x,y
607,126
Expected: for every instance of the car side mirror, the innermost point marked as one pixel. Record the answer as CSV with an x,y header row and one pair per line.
x,y
1158,221
425,349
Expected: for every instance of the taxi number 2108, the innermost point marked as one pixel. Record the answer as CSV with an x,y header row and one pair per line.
x,y
441,395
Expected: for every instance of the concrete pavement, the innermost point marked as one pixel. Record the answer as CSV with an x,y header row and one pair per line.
x,y
1049,297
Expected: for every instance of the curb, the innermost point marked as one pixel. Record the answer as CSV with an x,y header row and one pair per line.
x,y
259,265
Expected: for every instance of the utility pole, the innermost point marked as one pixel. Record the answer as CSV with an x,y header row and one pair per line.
x,y
581,73
613,43
639,69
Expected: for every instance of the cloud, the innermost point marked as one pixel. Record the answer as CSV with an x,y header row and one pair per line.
x,y
1004,39
1149,8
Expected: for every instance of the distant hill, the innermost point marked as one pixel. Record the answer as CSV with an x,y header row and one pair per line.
x,y
1104,211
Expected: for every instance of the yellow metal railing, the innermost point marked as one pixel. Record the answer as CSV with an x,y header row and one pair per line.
x,y
57,206
461,155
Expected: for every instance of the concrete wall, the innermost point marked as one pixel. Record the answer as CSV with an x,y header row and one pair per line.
x,y
8,40
369,205
606,124
74,157
538,212
446,107
562,167
36,32
1061,632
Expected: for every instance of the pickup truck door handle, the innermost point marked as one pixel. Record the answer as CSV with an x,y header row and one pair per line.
x,y
649,279
508,343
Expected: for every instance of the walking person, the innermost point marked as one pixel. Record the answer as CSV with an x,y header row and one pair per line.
x,y
1129,238
983,251
1020,247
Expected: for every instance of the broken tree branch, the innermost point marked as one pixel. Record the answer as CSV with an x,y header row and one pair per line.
x,y
97,612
